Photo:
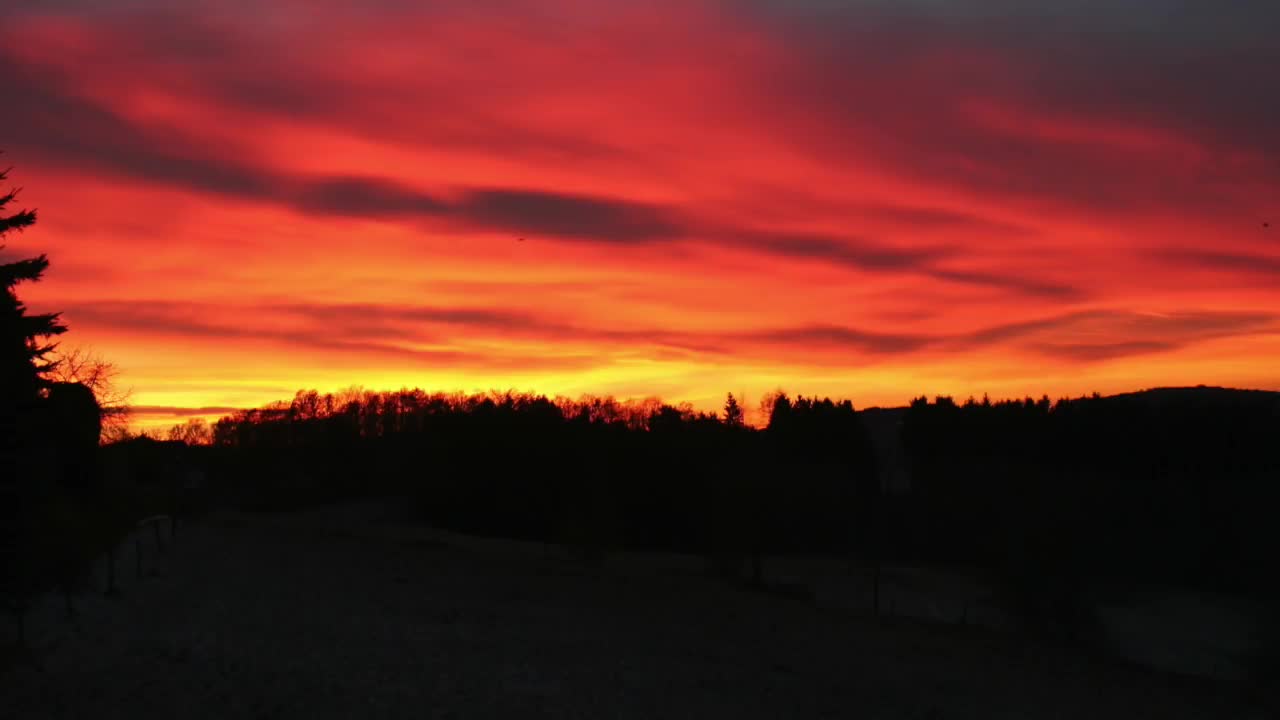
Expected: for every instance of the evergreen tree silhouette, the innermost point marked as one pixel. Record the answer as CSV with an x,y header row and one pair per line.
x,y
22,352
44,536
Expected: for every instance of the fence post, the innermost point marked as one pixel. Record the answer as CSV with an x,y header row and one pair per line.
x,y
875,589
111,571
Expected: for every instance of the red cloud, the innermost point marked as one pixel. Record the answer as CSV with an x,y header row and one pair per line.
x,y
704,193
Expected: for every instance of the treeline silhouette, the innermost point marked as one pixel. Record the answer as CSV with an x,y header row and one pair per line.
x,y
1172,486
595,470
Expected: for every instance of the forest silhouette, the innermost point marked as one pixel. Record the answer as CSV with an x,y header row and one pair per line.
x,y
1170,486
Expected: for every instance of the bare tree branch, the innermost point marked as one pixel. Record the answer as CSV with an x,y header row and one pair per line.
x,y
81,365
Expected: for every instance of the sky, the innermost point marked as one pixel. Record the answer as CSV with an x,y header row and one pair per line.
x,y
866,199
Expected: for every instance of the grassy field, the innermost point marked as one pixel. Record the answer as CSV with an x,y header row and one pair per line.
x,y
341,612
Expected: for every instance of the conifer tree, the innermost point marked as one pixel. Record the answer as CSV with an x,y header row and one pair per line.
x,y
23,336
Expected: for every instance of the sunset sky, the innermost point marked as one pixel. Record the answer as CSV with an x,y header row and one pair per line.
x,y
865,199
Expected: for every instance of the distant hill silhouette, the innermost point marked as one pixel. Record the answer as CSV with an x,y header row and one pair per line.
x,y
885,424
1201,394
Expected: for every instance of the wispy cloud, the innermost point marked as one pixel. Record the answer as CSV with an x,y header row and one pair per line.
x,y
965,189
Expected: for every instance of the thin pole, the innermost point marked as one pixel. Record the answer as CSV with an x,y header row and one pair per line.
x,y
111,570
875,589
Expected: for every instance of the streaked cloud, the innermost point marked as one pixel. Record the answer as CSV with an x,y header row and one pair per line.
x,y
887,198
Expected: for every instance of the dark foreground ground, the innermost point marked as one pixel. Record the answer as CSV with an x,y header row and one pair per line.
x,y
328,615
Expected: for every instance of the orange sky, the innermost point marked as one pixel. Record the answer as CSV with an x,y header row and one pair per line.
x,y
875,201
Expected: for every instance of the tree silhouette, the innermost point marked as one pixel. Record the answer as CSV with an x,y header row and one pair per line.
x,y
22,352
56,515
733,415
77,365
195,431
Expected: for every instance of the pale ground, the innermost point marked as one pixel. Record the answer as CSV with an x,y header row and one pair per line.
x,y
342,613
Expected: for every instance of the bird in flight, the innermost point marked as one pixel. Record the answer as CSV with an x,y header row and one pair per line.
x,y
519,239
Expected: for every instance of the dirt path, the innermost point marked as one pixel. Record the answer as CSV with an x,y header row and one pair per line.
x,y
325,614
